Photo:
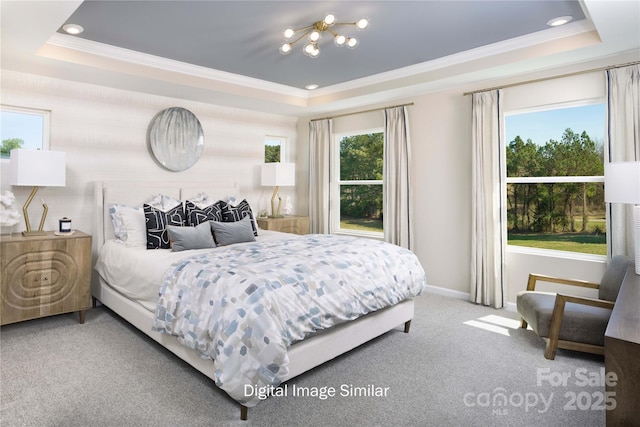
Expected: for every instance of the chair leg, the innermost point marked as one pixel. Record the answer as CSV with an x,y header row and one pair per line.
x,y
550,350
554,327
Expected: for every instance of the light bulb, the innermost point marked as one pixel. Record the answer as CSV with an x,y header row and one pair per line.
x,y
285,48
314,53
73,29
308,48
362,24
288,33
339,40
330,19
352,42
314,36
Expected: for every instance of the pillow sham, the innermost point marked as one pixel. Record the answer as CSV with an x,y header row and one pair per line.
x,y
227,233
157,222
115,212
239,212
197,215
134,222
185,238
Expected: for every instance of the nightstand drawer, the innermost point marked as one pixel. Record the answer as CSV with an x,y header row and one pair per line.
x,y
43,276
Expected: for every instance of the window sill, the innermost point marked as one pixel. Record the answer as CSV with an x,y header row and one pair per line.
x,y
551,253
356,233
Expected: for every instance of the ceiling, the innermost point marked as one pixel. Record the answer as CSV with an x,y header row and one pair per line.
x,y
226,52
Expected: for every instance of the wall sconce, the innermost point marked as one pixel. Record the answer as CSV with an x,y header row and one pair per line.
x,y
38,169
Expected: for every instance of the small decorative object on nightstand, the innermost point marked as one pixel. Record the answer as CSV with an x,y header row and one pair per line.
x,y
44,275
287,224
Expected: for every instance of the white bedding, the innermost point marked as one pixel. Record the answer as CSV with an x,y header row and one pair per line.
x,y
136,272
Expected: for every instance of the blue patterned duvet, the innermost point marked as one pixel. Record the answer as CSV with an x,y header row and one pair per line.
x,y
244,305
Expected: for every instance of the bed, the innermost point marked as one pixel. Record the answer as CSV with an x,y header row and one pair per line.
x,y
129,279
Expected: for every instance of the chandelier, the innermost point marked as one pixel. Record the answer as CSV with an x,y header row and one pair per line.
x,y
314,32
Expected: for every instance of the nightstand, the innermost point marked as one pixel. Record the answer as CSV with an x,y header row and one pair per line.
x,y
288,224
44,275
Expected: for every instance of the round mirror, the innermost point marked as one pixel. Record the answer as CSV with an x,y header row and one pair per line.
x,y
176,138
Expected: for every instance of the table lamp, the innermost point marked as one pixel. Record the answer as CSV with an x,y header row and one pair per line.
x,y
278,174
622,185
38,169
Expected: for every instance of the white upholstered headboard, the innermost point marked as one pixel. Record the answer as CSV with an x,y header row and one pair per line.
x,y
135,193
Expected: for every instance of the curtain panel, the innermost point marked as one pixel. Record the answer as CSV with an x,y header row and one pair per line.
x,y
396,199
488,203
319,167
623,108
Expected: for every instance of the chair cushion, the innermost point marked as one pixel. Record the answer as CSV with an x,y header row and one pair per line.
x,y
613,277
581,323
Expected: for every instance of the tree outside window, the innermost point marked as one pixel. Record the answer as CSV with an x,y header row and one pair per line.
x,y
358,183
555,192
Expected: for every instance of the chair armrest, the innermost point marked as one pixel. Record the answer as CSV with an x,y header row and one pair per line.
x,y
534,278
558,313
586,301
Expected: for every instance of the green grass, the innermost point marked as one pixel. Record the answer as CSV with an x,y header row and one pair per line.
x,y
588,243
360,224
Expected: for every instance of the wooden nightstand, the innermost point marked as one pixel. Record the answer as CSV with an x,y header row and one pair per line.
x,y
288,224
44,275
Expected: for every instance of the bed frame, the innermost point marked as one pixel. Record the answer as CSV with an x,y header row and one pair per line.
x,y
303,356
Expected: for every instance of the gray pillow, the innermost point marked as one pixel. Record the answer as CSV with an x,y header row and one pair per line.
x,y
184,238
227,233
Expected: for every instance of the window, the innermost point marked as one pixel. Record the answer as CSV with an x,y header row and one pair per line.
x,y
274,149
554,185
356,190
23,128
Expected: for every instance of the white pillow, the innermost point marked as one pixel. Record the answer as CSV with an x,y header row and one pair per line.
x,y
134,222
119,229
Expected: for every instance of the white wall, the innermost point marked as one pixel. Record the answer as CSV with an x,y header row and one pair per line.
x,y
104,134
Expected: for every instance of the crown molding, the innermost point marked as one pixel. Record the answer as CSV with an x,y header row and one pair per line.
x,y
139,58
522,42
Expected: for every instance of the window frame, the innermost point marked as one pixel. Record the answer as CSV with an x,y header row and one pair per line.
x,y
282,140
46,119
336,183
552,180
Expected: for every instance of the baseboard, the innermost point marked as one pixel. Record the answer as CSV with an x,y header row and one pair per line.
x,y
445,292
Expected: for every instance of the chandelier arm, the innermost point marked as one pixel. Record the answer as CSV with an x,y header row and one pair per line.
x,y
299,38
332,32
344,23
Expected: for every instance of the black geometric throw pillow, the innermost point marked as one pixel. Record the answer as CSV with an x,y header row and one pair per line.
x,y
236,213
196,215
157,221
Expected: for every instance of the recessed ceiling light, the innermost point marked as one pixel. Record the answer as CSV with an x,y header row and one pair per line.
x,y
561,20
311,87
72,29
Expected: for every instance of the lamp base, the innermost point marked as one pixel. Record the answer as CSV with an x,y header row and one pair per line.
x,y
37,233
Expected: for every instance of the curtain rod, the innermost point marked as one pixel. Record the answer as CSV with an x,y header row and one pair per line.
x,y
361,112
553,77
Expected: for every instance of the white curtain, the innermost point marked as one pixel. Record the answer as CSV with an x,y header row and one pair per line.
x,y
623,104
319,168
396,199
488,210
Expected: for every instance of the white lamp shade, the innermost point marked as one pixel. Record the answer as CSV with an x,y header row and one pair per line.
x,y
278,174
622,182
37,168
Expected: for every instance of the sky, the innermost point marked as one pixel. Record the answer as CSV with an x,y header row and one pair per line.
x,y
27,127
542,126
